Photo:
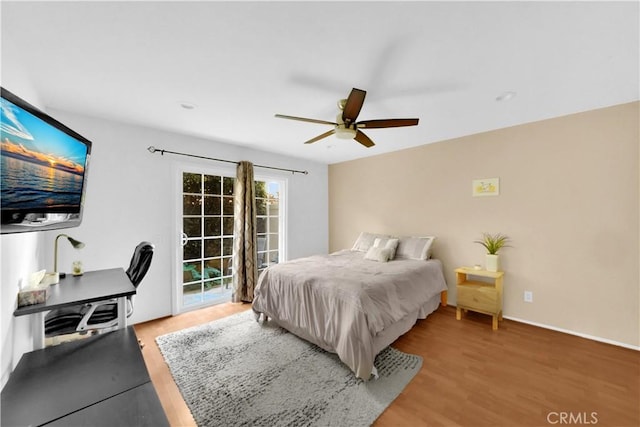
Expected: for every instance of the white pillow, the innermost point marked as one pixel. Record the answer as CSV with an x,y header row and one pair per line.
x,y
365,241
390,243
415,247
376,253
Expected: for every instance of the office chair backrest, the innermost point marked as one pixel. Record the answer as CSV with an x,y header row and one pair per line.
x,y
140,262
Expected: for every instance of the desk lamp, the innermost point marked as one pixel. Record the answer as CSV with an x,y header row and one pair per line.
x,y
75,243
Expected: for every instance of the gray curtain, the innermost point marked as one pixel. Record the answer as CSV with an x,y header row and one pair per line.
x,y
245,272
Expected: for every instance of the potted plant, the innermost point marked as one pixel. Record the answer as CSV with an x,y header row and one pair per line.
x,y
493,243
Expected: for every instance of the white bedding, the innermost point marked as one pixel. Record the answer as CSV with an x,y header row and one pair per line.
x,y
342,302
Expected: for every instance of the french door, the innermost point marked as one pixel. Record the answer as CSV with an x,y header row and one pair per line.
x,y
206,234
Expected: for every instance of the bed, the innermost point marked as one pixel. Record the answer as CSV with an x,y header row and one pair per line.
x,y
354,302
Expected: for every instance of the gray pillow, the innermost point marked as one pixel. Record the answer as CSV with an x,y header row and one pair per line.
x,y
365,241
415,247
390,243
376,253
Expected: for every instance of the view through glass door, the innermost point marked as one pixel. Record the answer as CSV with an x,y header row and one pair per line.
x,y
207,235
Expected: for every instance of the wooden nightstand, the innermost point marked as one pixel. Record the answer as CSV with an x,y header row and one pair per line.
x,y
474,295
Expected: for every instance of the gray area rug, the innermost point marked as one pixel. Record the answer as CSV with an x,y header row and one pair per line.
x,y
238,372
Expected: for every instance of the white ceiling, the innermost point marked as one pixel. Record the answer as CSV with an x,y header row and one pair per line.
x,y
240,63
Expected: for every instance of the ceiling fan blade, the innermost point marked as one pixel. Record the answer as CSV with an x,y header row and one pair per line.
x,y
319,137
353,106
387,123
363,139
303,119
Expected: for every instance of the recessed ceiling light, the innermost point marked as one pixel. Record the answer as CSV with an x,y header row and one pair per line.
x,y
187,105
505,96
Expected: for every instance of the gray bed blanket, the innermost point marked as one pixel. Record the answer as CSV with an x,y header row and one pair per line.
x,y
341,301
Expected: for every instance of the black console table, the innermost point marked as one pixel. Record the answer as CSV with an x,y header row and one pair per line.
x,y
96,381
92,286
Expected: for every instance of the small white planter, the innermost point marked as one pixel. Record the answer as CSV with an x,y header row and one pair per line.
x,y
492,262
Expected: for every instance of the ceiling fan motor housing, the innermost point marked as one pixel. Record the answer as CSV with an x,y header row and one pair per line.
x,y
342,131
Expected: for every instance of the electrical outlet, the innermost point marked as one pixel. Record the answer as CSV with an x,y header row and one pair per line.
x,y
528,296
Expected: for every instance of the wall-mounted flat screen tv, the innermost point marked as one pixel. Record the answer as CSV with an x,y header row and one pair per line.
x,y
43,169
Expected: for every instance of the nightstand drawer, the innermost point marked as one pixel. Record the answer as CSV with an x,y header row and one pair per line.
x,y
479,297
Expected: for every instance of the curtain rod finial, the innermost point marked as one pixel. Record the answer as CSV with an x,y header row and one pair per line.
x,y
151,149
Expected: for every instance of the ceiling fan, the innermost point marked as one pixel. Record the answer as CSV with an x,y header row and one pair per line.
x,y
346,127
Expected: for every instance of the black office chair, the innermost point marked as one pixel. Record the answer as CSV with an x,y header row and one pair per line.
x,y
99,315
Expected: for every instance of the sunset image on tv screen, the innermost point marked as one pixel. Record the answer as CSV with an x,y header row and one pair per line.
x,y
41,165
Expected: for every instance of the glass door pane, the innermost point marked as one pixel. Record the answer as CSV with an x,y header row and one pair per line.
x,y
267,223
207,221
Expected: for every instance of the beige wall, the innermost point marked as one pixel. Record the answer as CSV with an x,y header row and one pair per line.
x,y
569,199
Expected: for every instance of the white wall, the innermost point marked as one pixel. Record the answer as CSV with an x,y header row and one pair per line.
x,y
130,198
20,255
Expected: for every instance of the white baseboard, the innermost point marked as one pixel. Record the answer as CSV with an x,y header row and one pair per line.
x,y
567,331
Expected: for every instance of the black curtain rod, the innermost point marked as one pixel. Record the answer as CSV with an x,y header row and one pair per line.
x,y
153,149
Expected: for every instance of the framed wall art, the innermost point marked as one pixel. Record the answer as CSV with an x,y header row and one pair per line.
x,y
486,187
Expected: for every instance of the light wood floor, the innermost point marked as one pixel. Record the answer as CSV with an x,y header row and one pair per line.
x,y
519,375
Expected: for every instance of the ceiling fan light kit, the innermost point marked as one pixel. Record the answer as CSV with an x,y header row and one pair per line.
x,y
346,126
345,133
